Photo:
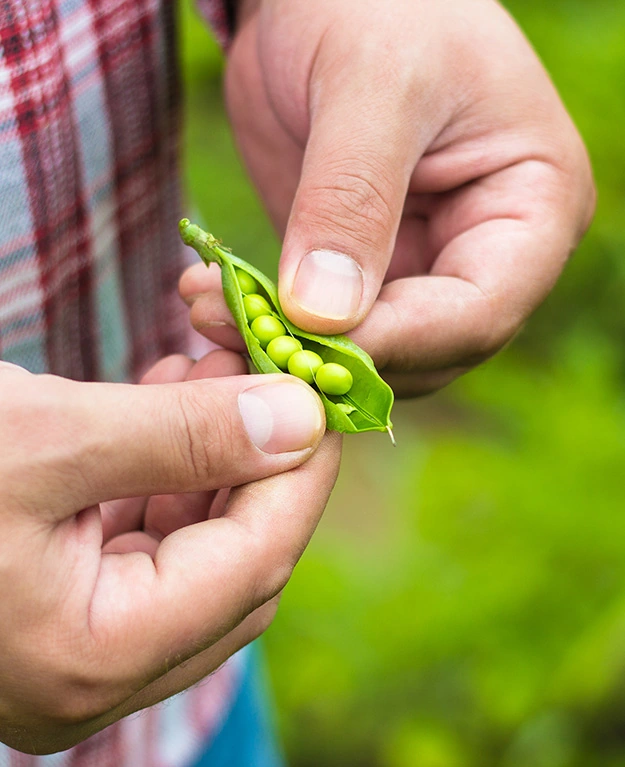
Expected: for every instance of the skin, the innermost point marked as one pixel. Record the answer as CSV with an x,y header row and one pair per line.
x,y
426,142
121,577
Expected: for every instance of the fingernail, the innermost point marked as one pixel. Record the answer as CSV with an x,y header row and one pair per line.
x,y
328,284
280,418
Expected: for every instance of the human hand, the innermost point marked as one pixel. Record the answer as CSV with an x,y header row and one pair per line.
x,y
108,606
425,143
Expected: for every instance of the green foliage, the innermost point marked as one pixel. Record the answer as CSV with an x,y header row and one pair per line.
x,y
490,603
463,602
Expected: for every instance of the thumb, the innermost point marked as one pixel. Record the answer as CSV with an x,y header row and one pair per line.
x,y
361,151
78,444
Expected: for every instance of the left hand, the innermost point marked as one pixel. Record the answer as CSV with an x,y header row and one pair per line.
x,y
108,606
426,177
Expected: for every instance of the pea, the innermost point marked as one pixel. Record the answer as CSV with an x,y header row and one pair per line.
x,y
266,328
281,348
255,306
304,365
333,378
246,282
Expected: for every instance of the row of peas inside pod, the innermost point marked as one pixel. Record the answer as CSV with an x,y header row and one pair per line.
x,y
286,351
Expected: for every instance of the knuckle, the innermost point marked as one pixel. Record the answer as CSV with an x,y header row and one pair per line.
x,y
203,433
577,189
358,204
271,565
279,577
264,617
497,329
275,578
189,435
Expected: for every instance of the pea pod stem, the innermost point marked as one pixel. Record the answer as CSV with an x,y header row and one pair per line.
x,y
209,248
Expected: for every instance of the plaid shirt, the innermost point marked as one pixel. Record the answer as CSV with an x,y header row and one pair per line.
x,y
90,255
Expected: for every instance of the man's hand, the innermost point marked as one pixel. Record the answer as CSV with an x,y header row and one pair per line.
x,y
108,605
428,182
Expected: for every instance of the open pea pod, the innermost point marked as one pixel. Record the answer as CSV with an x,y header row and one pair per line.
x,y
367,405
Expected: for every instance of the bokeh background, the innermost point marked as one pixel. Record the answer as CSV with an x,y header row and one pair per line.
x,y
463,602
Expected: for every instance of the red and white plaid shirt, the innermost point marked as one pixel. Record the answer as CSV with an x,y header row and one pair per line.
x,y
90,254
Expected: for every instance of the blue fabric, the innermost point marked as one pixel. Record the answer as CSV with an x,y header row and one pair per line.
x,y
247,736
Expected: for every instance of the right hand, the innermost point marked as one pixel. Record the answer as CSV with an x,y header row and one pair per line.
x,y
420,168
108,606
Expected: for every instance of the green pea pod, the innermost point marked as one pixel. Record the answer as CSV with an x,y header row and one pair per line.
x,y
367,405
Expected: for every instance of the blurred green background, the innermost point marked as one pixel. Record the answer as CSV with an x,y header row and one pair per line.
x,y
463,602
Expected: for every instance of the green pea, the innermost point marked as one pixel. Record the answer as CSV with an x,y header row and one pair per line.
x,y
304,365
266,328
281,348
246,282
333,378
255,306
